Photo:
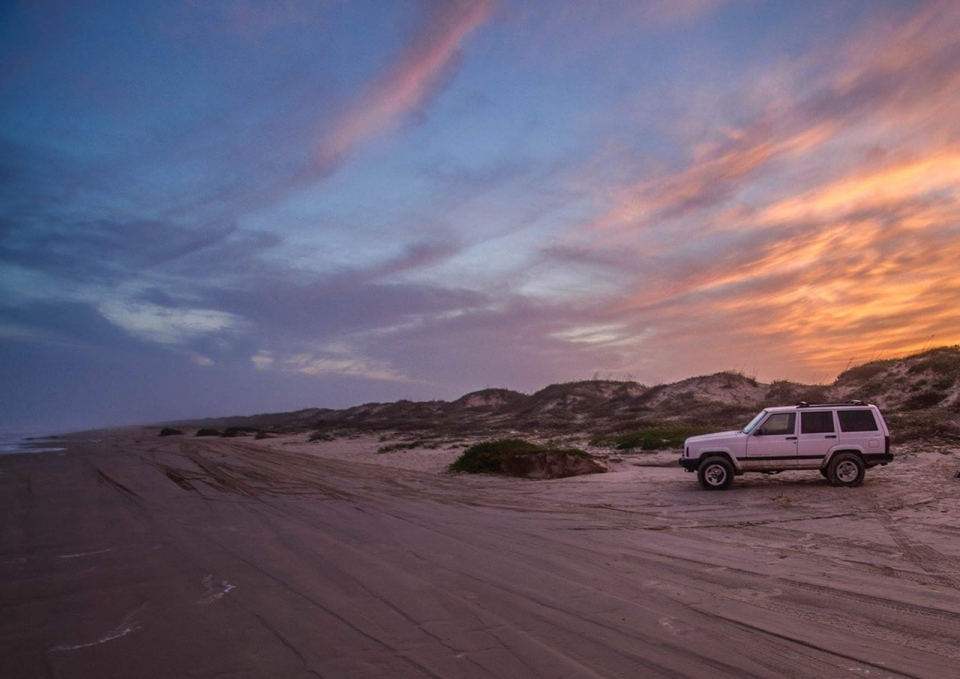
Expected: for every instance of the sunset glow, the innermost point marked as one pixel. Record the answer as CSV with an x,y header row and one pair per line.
x,y
260,206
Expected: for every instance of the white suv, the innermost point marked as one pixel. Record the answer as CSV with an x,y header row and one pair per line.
x,y
842,440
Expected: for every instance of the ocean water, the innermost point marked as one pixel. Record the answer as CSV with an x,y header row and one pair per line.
x,y
15,440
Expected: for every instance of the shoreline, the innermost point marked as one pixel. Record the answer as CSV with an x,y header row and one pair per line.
x,y
28,441
35,441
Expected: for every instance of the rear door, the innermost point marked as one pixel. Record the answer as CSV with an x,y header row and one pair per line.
x,y
773,443
818,434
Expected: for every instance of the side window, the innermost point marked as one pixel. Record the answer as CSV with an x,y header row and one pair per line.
x,y
857,420
778,424
816,422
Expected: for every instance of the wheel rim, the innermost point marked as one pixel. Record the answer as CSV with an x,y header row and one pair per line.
x,y
715,475
847,471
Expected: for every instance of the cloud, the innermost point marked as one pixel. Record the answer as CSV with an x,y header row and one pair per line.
x,y
593,334
298,309
167,325
824,227
349,366
415,256
709,180
411,81
262,360
885,88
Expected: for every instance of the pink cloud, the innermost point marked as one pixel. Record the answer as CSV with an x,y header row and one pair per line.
x,y
411,81
710,180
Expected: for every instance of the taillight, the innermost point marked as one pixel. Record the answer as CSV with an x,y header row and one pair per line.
x,y
886,444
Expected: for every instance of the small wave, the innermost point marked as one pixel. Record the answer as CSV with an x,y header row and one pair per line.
x,y
15,440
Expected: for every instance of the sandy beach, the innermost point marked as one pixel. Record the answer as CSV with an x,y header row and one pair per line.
x,y
129,555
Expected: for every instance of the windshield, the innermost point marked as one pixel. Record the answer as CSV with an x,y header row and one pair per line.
x,y
754,422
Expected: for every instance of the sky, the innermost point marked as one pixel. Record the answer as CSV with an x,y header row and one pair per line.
x,y
233,207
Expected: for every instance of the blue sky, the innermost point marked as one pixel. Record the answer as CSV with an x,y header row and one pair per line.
x,y
235,207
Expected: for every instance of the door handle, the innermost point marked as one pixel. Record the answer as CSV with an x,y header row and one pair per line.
x,y
791,438
830,436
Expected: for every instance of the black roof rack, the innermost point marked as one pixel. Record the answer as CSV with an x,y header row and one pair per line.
x,y
855,402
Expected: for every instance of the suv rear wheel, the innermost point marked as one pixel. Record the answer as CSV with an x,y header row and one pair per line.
x,y
715,473
846,469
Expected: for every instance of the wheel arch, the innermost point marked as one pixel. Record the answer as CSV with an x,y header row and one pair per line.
x,y
737,469
843,449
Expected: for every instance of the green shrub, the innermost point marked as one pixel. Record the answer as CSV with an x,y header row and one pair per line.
x,y
399,446
926,399
492,457
923,426
654,438
944,383
867,371
942,360
484,458
409,445
814,394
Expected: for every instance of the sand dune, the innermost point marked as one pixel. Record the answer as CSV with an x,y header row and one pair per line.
x,y
181,557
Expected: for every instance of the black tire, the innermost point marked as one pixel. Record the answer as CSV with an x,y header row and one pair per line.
x,y
824,474
715,473
846,469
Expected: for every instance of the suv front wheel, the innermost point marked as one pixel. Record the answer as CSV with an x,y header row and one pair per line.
x,y
846,469
715,473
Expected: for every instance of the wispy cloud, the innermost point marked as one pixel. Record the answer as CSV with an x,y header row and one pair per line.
x,y
711,179
345,365
411,81
888,88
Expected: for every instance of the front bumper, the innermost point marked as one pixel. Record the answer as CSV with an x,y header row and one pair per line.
x,y
689,463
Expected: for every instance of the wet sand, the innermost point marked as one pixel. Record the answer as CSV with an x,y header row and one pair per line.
x,y
136,556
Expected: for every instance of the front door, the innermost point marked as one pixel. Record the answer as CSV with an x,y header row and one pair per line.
x,y
773,443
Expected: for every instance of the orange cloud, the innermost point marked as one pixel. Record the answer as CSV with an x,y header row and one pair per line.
x,y
406,85
933,175
827,231
815,297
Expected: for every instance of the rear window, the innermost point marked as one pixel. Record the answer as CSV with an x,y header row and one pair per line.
x,y
857,420
818,422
